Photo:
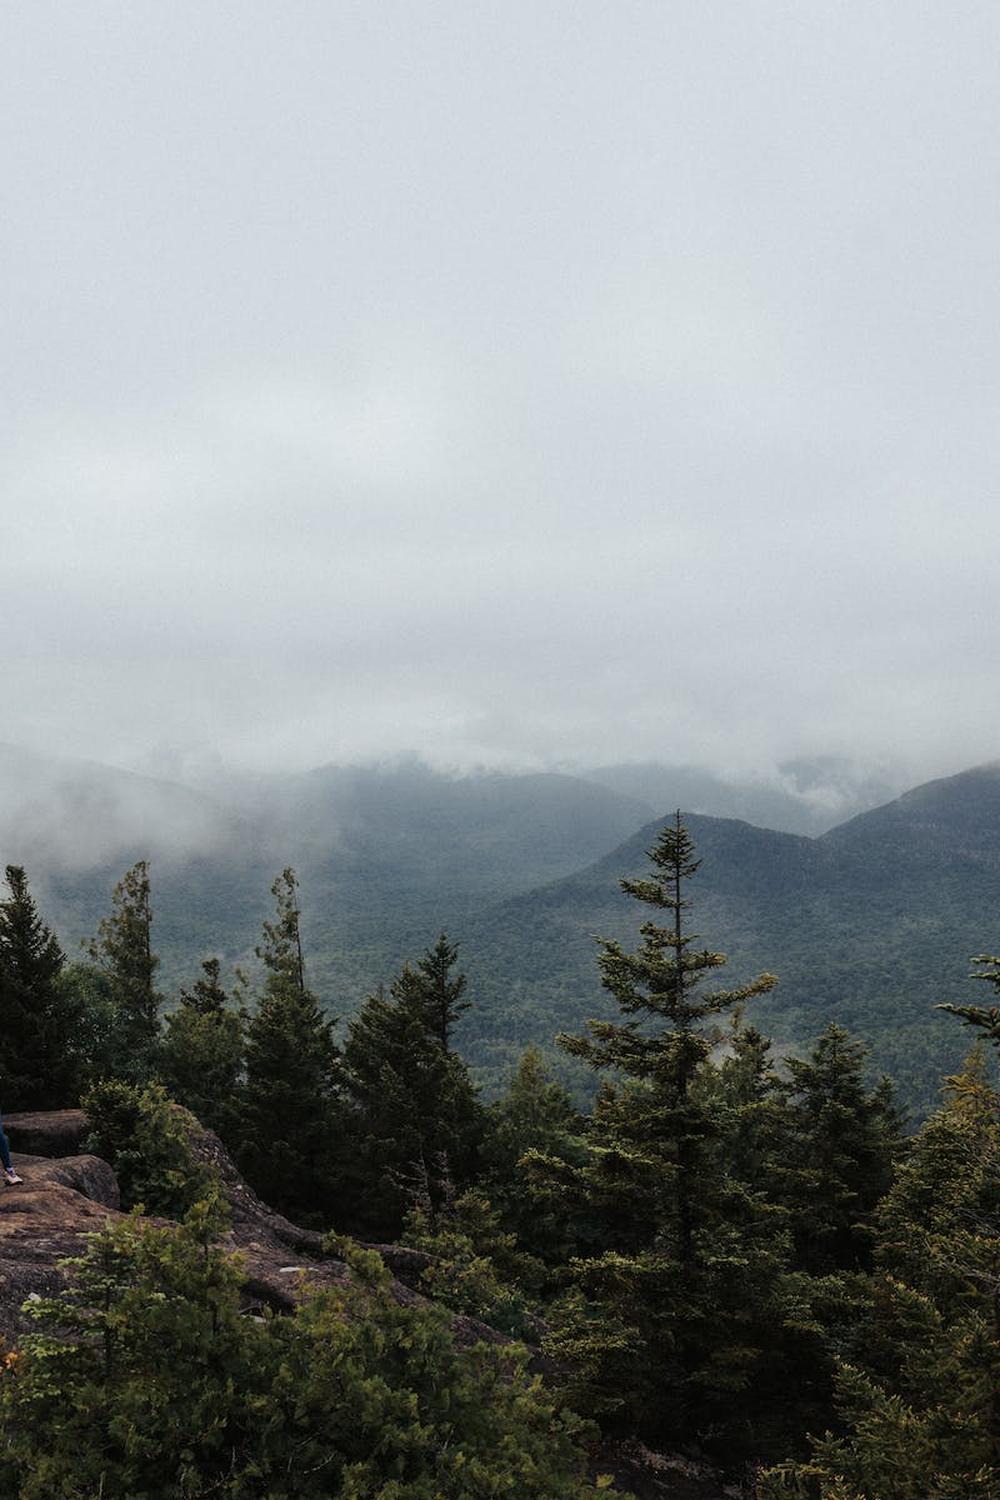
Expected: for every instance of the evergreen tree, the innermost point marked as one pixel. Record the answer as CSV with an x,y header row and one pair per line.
x,y
675,1306
128,1387
660,983
439,991
754,1108
152,1145
96,1046
385,1395
794,1374
919,1367
40,1019
536,1114
123,950
201,1057
415,1122
842,1141
288,1107
144,1379
475,1266
986,1018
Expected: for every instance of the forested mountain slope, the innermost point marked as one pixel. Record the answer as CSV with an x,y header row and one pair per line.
x,y
872,924
77,825
808,795
387,856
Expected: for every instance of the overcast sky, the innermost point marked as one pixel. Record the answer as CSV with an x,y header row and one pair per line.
x,y
520,382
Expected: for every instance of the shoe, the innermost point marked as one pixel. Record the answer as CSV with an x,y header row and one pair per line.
x,y
11,1176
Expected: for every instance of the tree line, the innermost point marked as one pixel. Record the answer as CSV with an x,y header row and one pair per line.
x,y
730,1256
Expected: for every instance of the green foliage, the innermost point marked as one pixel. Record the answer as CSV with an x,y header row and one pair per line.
x,y
476,1266
918,1389
148,1141
436,990
146,1382
535,1114
752,1108
414,1123
660,984
412,1417
287,1132
201,1055
96,1050
123,950
986,1018
128,1390
671,1313
841,1142
40,1017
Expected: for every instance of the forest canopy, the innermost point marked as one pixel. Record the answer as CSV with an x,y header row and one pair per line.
x,y
729,1256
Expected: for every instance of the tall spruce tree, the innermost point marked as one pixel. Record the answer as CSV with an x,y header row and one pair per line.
x,y
678,1301
754,1108
123,950
842,1139
660,986
201,1057
437,989
414,1122
38,1051
287,1132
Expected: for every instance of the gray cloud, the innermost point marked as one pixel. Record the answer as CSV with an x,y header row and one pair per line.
x,y
518,384
59,815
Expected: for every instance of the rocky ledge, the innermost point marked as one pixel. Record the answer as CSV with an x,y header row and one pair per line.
x,y
67,1195
42,1221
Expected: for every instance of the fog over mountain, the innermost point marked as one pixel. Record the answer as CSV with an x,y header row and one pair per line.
x,y
61,814
871,922
388,853
499,536
529,387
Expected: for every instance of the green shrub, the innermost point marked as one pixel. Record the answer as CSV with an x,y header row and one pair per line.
x,y
476,1267
145,1381
147,1140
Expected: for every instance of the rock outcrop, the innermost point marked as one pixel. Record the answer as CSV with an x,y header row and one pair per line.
x,y
53,1132
66,1196
43,1221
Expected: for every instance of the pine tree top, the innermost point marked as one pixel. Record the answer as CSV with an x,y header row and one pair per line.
x,y
29,951
662,980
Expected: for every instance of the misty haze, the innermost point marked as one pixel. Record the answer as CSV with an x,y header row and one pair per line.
x,y
499,750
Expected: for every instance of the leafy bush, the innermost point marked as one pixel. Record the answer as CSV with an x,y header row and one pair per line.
x,y
146,1381
476,1267
147,1140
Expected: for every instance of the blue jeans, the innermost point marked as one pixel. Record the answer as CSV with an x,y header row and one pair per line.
x,y
4,1150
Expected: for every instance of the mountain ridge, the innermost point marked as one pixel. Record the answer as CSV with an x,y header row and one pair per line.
x,y
870,923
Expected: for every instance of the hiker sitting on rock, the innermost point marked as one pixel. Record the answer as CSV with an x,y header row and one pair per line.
x,y
9,1174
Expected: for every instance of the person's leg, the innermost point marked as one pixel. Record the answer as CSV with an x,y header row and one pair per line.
x,y
5,1151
